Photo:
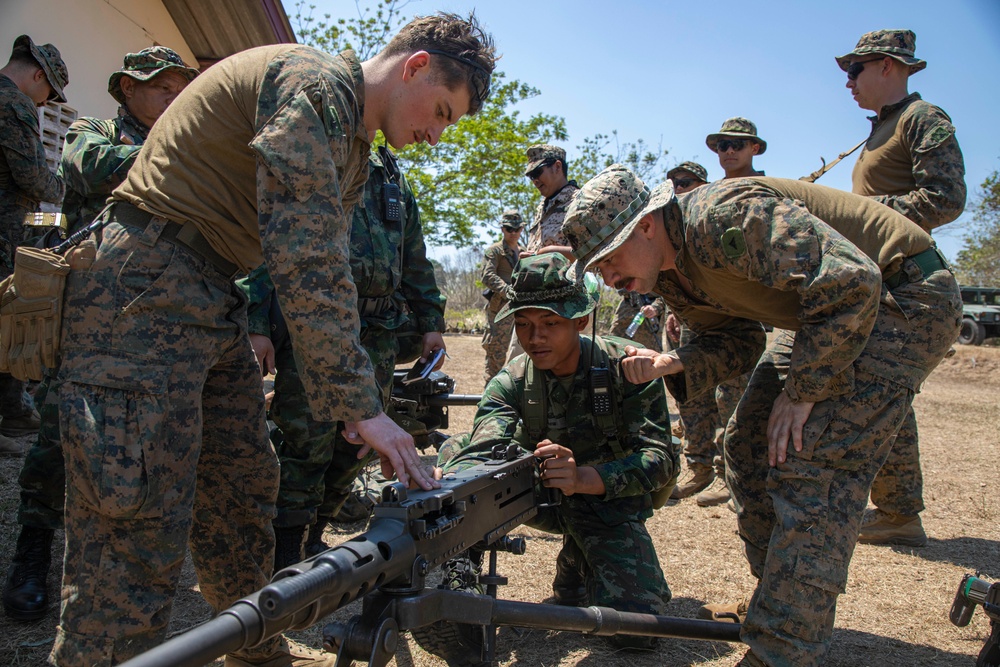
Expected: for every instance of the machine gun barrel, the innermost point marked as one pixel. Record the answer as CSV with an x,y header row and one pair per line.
x,y
450,400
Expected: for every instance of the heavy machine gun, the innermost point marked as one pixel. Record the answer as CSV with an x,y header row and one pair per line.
x,y
423,403
411,533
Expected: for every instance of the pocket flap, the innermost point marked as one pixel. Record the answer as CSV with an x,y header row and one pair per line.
x,y
122,372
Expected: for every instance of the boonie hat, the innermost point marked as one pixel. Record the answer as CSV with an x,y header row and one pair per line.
x,y
146,64
692,168
511,218
604,212
898,44
543,281
542,153
48,58
736,128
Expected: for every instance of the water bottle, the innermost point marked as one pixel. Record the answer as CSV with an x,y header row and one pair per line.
x,y
635,324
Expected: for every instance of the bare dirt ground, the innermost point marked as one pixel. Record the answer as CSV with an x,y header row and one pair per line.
x,y
893,614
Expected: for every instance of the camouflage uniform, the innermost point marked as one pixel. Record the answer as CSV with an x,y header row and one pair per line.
x,y
395,284
912,163
609,530
628,308
25,180
546,230
871,325
160,399
498,264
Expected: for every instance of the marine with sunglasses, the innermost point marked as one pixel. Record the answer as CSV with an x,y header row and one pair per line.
x,y
736,144
547,172
913,164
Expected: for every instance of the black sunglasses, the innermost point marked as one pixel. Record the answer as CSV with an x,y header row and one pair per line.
x,y
511,229
855,69
683,182
724,145
537,171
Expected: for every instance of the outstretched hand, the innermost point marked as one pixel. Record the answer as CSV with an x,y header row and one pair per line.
x,y
395,449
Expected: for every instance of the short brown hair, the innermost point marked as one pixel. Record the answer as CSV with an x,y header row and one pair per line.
x,y
469,55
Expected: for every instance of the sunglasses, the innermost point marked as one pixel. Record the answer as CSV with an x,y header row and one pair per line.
x,y
511,229
855,69
724,145
537,171
683,182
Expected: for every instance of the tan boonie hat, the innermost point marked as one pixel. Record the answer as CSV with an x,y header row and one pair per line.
x,y
604,212
48,58
543,281
542,153
511,218
736,128
146,64
692,168
898,44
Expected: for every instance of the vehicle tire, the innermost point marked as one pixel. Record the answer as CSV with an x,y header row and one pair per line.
x,y
458,644
972,332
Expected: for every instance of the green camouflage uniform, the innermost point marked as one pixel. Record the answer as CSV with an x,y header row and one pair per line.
x,y
396,285
628,308
160,398
498,264
775,251
912,163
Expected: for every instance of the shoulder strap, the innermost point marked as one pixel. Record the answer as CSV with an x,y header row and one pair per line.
x,y
609,424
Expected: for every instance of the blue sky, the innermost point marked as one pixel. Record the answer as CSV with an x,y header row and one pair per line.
x,y
671,72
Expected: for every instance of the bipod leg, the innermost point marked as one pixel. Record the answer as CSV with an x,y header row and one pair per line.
x,y
492,580
371,637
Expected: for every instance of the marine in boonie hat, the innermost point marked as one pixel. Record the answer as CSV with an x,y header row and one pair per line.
x,y
605,211
736,128
692,168
48,58
543,281
146,64
539,154
512,219
898,44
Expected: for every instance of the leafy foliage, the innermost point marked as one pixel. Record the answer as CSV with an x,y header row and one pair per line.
x,y
978,263
602,151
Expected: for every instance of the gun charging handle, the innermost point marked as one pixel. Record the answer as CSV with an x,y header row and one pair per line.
x,y
971,592
548,496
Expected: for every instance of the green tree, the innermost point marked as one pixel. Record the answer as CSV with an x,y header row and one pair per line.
x,y
978,263
602,151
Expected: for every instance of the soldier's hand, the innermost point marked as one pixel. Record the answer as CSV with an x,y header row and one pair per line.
x,y
432,340
786,422
648,311
673,327
263,349
643,365
395,449
559,471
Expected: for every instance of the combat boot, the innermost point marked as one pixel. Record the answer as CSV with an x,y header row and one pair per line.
x,y
879,527
569,588
289,654
288,546
314,543
716,494
698,478
26,424
25,597
10,447
462,573
731,612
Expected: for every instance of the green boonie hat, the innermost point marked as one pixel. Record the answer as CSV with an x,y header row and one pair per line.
x,y
736,128
48,58
898,44
543,281
692,168
511,218
541,153
604,212
146,64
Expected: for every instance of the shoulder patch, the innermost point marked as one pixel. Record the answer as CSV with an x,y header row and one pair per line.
x,y
733,243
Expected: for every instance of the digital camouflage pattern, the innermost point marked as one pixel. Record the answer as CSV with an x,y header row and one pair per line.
x,y
160,399
388,261
913,164
898,44
50,60
736,128
511,218
498,265
546,230
692,168
542,153
609,530
625,312
95,160
146,64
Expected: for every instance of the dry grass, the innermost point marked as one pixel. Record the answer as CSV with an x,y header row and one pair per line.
x,y
896,606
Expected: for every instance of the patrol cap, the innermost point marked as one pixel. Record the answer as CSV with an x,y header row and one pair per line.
x,y
736,128
511,218
542,153
692,168
48,58
604,212
146,64
543,281
898,44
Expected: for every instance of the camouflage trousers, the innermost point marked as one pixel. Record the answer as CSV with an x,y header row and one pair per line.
x,y
495,341
800,520
644,335
161,413
43,477
318,466
705,417
899,486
